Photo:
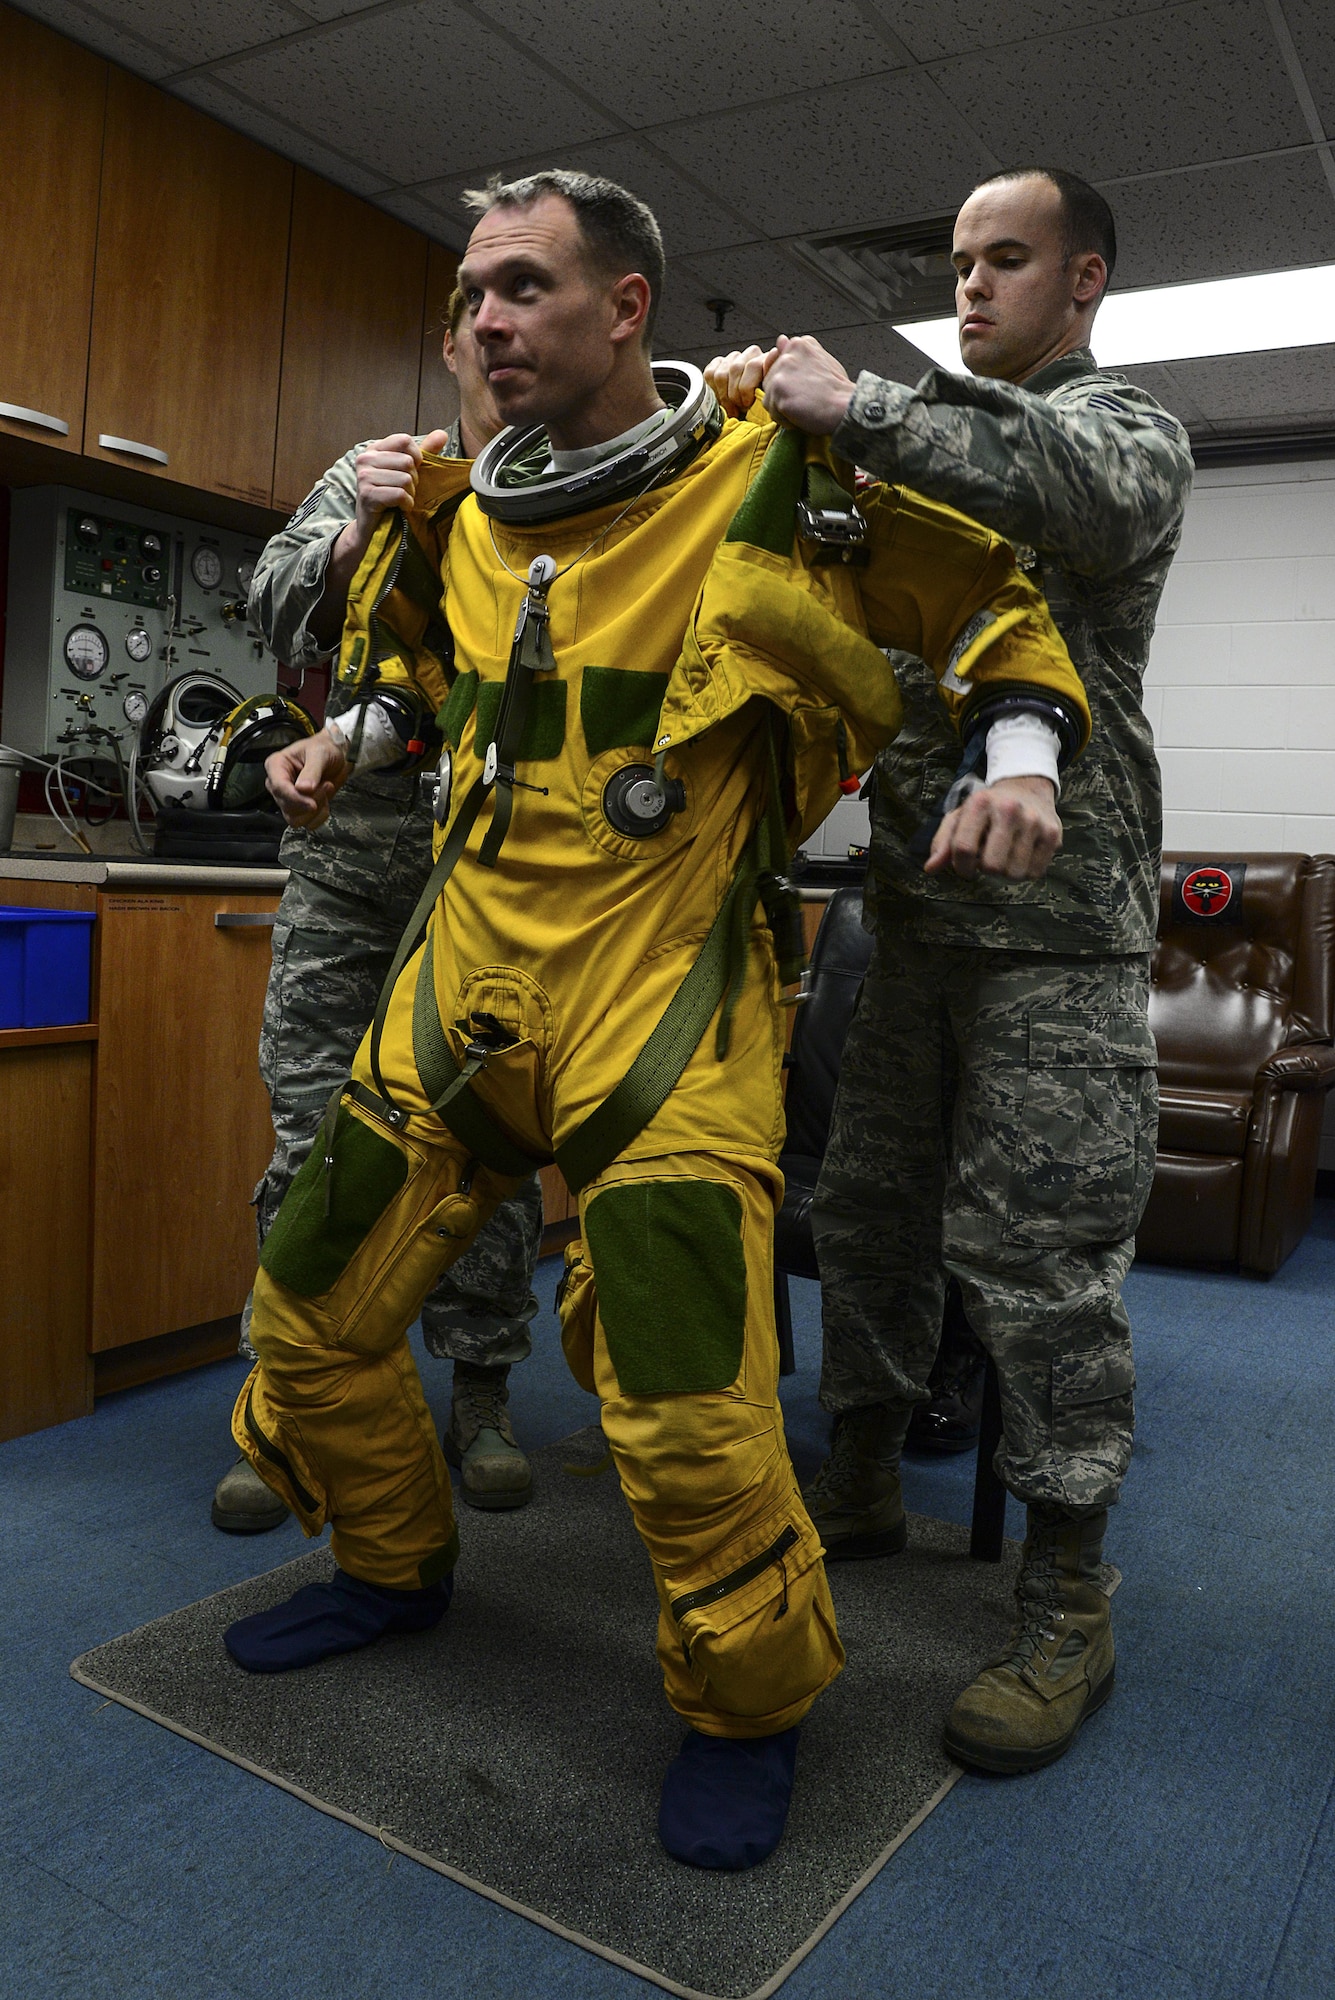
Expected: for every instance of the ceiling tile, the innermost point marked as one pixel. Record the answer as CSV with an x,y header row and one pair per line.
x,y
333,10
1253,215
1165,89
879,348
686,326
94,32
393,79
1296,383
652,62
198,31
213,96
1159,381
860,154
423,215
931,28
687,217
1314,39
767,287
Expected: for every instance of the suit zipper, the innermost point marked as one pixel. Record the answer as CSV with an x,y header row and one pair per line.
x,y
276,1457
712,1592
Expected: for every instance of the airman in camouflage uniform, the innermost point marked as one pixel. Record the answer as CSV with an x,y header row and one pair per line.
x,y
352,885
997,1104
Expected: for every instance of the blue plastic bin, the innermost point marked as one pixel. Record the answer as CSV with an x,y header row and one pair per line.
x,y
44,966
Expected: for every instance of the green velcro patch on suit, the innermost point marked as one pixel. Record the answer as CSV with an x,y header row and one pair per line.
x,y
671,1276
619,709
544,724
767,518
458,708
308,1250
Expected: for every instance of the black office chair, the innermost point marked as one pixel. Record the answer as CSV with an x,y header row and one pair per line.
x,y
839,960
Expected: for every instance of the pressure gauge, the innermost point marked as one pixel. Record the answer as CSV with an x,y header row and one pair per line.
x,y
206,567
245,571
139,644
135,707
150,545
86,652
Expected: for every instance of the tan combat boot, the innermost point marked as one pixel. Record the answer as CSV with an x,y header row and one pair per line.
x,y
855,1502
244,1505
1026,1708
482,1444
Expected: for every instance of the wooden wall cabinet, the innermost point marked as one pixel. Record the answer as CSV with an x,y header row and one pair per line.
x,y
188,296
352,335
181,1129
46,1373
52,103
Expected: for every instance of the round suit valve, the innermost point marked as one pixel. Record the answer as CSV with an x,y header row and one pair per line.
x,y
635,804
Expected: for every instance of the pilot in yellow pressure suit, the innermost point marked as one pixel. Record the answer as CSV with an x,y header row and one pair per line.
x,y
662,664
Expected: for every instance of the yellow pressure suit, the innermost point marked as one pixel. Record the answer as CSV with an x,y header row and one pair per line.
x,y
751,675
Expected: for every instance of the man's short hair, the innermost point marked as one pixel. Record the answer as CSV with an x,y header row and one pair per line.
x,y
455,310
1086,216
619,230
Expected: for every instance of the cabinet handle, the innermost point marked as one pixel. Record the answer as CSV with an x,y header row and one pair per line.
x,y
237,920
135,450
40,417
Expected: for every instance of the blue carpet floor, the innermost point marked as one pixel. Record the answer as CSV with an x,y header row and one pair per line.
x,y
1184,1849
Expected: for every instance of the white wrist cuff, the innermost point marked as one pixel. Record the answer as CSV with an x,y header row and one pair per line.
x,y
1022,746
380,744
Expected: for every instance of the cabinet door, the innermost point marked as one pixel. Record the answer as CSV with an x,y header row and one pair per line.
x,y
188,296
181,1129
352,336
438,396
45,1376
52,105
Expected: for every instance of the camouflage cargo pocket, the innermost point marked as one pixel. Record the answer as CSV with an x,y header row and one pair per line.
x,y
1083,1155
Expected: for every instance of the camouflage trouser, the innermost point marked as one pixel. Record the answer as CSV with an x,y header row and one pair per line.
x,y
995,1119
331,952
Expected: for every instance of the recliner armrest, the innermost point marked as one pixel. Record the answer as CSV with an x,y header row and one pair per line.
x,y
1306,1066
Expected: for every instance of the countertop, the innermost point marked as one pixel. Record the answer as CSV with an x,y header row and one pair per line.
x,y
124,871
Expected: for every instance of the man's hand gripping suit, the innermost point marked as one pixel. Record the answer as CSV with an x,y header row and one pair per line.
x,y
686,690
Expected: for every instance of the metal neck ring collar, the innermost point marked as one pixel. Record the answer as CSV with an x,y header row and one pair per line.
x,y
694,420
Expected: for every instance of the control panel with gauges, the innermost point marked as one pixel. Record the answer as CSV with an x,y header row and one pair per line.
x,y
107,603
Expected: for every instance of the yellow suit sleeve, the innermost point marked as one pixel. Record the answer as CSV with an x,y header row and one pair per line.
x,y
941,586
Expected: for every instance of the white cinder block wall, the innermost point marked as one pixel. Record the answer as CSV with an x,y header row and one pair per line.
x,y
1241,682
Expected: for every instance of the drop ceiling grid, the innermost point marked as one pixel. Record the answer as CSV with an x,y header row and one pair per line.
x,y
793,116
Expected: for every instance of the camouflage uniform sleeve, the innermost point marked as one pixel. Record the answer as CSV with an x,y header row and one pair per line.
x,y
1094,475
289,576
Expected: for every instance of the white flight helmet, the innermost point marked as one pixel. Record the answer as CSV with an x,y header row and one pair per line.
x,y
202,745
179,738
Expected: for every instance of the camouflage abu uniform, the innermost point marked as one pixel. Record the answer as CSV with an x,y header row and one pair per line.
x,y
352,886
998,1104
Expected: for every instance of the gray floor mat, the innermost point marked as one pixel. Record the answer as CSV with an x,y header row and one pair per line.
x,y
520,1746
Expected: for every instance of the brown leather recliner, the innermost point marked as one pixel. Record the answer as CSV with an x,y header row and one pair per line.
x,y
1242,1004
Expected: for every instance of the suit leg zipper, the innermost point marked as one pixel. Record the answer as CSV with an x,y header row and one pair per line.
x,y
277,1458
711,1593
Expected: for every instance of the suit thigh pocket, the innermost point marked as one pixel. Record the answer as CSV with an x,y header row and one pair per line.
x,y
1084,1145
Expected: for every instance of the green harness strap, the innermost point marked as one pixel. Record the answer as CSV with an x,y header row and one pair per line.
x,y
657,1069
647,1084
444,1081
455,843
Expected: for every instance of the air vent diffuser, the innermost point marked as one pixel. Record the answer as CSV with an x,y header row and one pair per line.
x,y
901,272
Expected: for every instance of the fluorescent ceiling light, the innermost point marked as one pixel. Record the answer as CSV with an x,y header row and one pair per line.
x,y
1186,322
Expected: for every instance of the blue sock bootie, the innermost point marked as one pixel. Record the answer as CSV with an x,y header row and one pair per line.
x,y
725,1798
329,1618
